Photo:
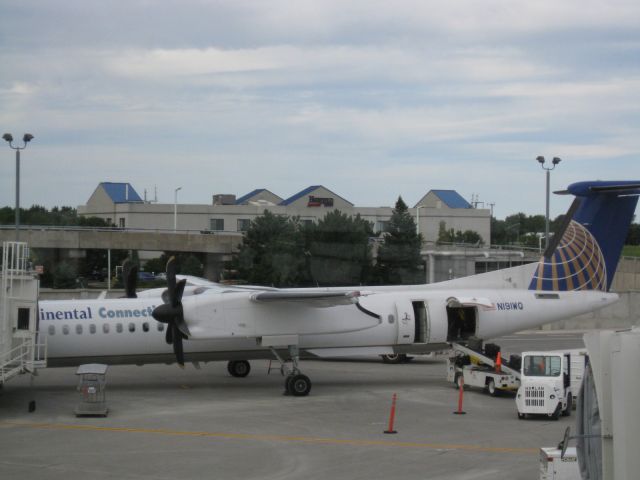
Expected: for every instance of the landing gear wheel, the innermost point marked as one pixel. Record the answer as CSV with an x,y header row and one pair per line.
x,y
491,388
298,385
567,411
394,358
238,368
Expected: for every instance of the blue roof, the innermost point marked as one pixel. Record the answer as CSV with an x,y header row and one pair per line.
x,y
452,199
121,192
300,194
246,197
306,192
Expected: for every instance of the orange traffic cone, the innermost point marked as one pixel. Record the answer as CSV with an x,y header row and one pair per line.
x,y
499,363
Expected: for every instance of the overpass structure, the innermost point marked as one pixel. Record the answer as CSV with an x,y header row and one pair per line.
x,y
218,246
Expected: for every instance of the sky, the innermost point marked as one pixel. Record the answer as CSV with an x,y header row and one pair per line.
x,y
372,99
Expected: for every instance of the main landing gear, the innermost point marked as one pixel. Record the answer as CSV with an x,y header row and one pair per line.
x,y
238,368
295,383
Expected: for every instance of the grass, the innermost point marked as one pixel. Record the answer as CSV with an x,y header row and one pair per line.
x,y
631,251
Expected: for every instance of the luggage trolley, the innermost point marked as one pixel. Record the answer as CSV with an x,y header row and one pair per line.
x,y
92,385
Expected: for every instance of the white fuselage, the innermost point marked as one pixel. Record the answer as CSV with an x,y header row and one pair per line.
x,y
229,325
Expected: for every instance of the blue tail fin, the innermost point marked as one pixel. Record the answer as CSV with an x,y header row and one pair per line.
x,y
585,252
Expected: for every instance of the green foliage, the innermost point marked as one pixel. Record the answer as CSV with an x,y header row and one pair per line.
x,y
399,260
468,237
338,251
186,263
64,276
59,216
633,237
631,251
272,252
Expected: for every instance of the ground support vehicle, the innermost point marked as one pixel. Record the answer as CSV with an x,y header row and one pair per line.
x,y
549,382
478,369
556,466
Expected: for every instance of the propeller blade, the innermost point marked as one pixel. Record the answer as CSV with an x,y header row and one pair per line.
x,y
129,278
169,335
171,279
177,348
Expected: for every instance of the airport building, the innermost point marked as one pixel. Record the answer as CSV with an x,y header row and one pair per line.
x,y
121,205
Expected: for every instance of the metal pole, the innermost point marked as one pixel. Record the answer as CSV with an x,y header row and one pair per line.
x,y
175,208
109,269
17,192
546,220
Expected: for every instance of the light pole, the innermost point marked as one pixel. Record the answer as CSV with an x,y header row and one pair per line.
x,y
26,138
175,208
555,162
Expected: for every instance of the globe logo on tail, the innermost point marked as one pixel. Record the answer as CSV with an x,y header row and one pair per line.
x,y
576,264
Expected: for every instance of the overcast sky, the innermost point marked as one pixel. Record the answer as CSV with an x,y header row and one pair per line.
x,y
371,99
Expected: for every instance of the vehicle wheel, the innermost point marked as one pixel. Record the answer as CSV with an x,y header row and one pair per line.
x,y
491,388
298,385
556,414
522,416
394,358
567,411
239,368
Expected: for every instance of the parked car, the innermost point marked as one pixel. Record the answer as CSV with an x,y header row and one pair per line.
x,y
146,276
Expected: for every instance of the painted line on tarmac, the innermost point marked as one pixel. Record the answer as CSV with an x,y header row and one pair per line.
x,y
277,438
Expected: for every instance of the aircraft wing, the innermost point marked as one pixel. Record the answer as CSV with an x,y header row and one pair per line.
x,y
315,299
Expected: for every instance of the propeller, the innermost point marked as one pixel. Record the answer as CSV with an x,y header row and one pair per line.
x,y
171,312
130,278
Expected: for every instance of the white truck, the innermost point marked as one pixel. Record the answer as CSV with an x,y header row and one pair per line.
x,y
549,382
478,369
558,465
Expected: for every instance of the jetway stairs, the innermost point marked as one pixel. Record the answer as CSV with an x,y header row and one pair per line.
x,y
21,351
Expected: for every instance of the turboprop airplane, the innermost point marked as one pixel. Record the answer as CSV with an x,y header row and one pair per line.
x,y
219,322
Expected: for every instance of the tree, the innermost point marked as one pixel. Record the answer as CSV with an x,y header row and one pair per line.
x,y
399,260
272,252
339,251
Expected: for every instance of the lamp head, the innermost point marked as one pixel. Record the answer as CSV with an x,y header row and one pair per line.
x,y
8,137
556,160
540,159
27,138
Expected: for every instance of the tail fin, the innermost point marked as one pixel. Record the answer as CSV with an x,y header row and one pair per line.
x,y
585,252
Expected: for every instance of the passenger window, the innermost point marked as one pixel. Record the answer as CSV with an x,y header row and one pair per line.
x,y
52,329
65,329
161,327
145,327
119,328
105,328
391,318
132,327
92,329
79,329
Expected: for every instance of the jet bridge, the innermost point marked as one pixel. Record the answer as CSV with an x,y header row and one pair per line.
x,y
20,350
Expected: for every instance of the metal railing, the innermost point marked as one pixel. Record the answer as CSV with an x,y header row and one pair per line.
x,y
25,357
77,228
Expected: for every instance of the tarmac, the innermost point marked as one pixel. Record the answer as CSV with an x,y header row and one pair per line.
x,y
168,423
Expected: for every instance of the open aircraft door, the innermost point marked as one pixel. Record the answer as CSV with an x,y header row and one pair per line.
x,y
405,321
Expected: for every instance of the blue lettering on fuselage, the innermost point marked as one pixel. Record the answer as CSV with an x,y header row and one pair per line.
x,y
510,305
103,312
